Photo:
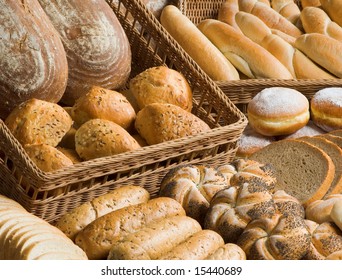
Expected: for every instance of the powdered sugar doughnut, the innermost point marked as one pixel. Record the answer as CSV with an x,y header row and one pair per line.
x,y
278,111
309,130
326,108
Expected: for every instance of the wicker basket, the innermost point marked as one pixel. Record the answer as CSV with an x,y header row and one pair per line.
x,y
21,180
241,92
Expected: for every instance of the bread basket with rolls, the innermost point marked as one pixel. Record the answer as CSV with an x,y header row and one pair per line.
x,y
51,194
252,24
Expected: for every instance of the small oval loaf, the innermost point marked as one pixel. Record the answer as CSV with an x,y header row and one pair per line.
x,y
37,66
155,239
193,187
228,251
74,221
98,237
96,45
160,122
334,9
99,138
197,247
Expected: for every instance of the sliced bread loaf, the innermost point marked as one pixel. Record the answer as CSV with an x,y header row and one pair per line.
x,y
337,132
333,138
302,170
335,154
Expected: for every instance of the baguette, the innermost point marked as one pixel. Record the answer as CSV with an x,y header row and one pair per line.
x,y
272,18
98,237
155,239
203,52
287,8
247,56
315,20
323,50
299,65
334,9
73,222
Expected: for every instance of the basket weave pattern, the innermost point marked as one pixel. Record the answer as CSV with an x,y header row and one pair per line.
x,y
49,195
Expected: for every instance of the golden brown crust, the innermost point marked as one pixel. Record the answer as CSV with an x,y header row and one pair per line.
x,y
101,103
161,85
287,204
160,122
228,251
39,122
99,138
336,214
334,9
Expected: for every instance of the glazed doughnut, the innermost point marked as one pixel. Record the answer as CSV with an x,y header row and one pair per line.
x,y
326,108
278,111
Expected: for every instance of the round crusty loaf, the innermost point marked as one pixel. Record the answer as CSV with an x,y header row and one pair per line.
x,y
231,209
101,103
299,164
161,85
38,122
193,187
277,237
74,221
96,45
326,238
99,138
33,62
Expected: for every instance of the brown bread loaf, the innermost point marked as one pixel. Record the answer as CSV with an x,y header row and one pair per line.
x,y
37,65
96,45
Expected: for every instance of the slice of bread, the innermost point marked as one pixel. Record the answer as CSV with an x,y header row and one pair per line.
x,y
302,170
333,138
335,154
337,132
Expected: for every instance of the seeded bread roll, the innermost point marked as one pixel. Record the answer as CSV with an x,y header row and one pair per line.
x,y
326,238
39,122
101,103
193,187
160,122
228,251
99,138
74,221
231,209
70,153
277,237
98,237
155,239
161,85
287,204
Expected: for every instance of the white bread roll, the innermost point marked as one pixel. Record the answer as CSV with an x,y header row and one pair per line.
x,y
271,17
203,52
247,56
287,8
323,50
315,20
299,65
310,3
227,12
336,214
334,9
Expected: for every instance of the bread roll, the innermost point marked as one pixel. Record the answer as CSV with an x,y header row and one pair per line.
x,y
277,237
96,45
155,239
299,65
231,209
38,122
98,237
205,54
68,140
287,204
323,50
197,247
193,186
161,85
74,221
287,38
99,138
272,18
310,3
70,153
335,256
227,12
336,213
101,103
37,65
334,9
244,54
160,122
228,251
287,8
315,20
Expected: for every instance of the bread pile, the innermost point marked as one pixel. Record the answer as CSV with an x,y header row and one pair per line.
x,y
253,213
263,39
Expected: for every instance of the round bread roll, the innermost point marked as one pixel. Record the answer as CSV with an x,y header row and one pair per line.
x,y
326,108
193,187
101,103
161,85
99,138
287,204
39,122
277,237
336,214
278,111
70,153
309,130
